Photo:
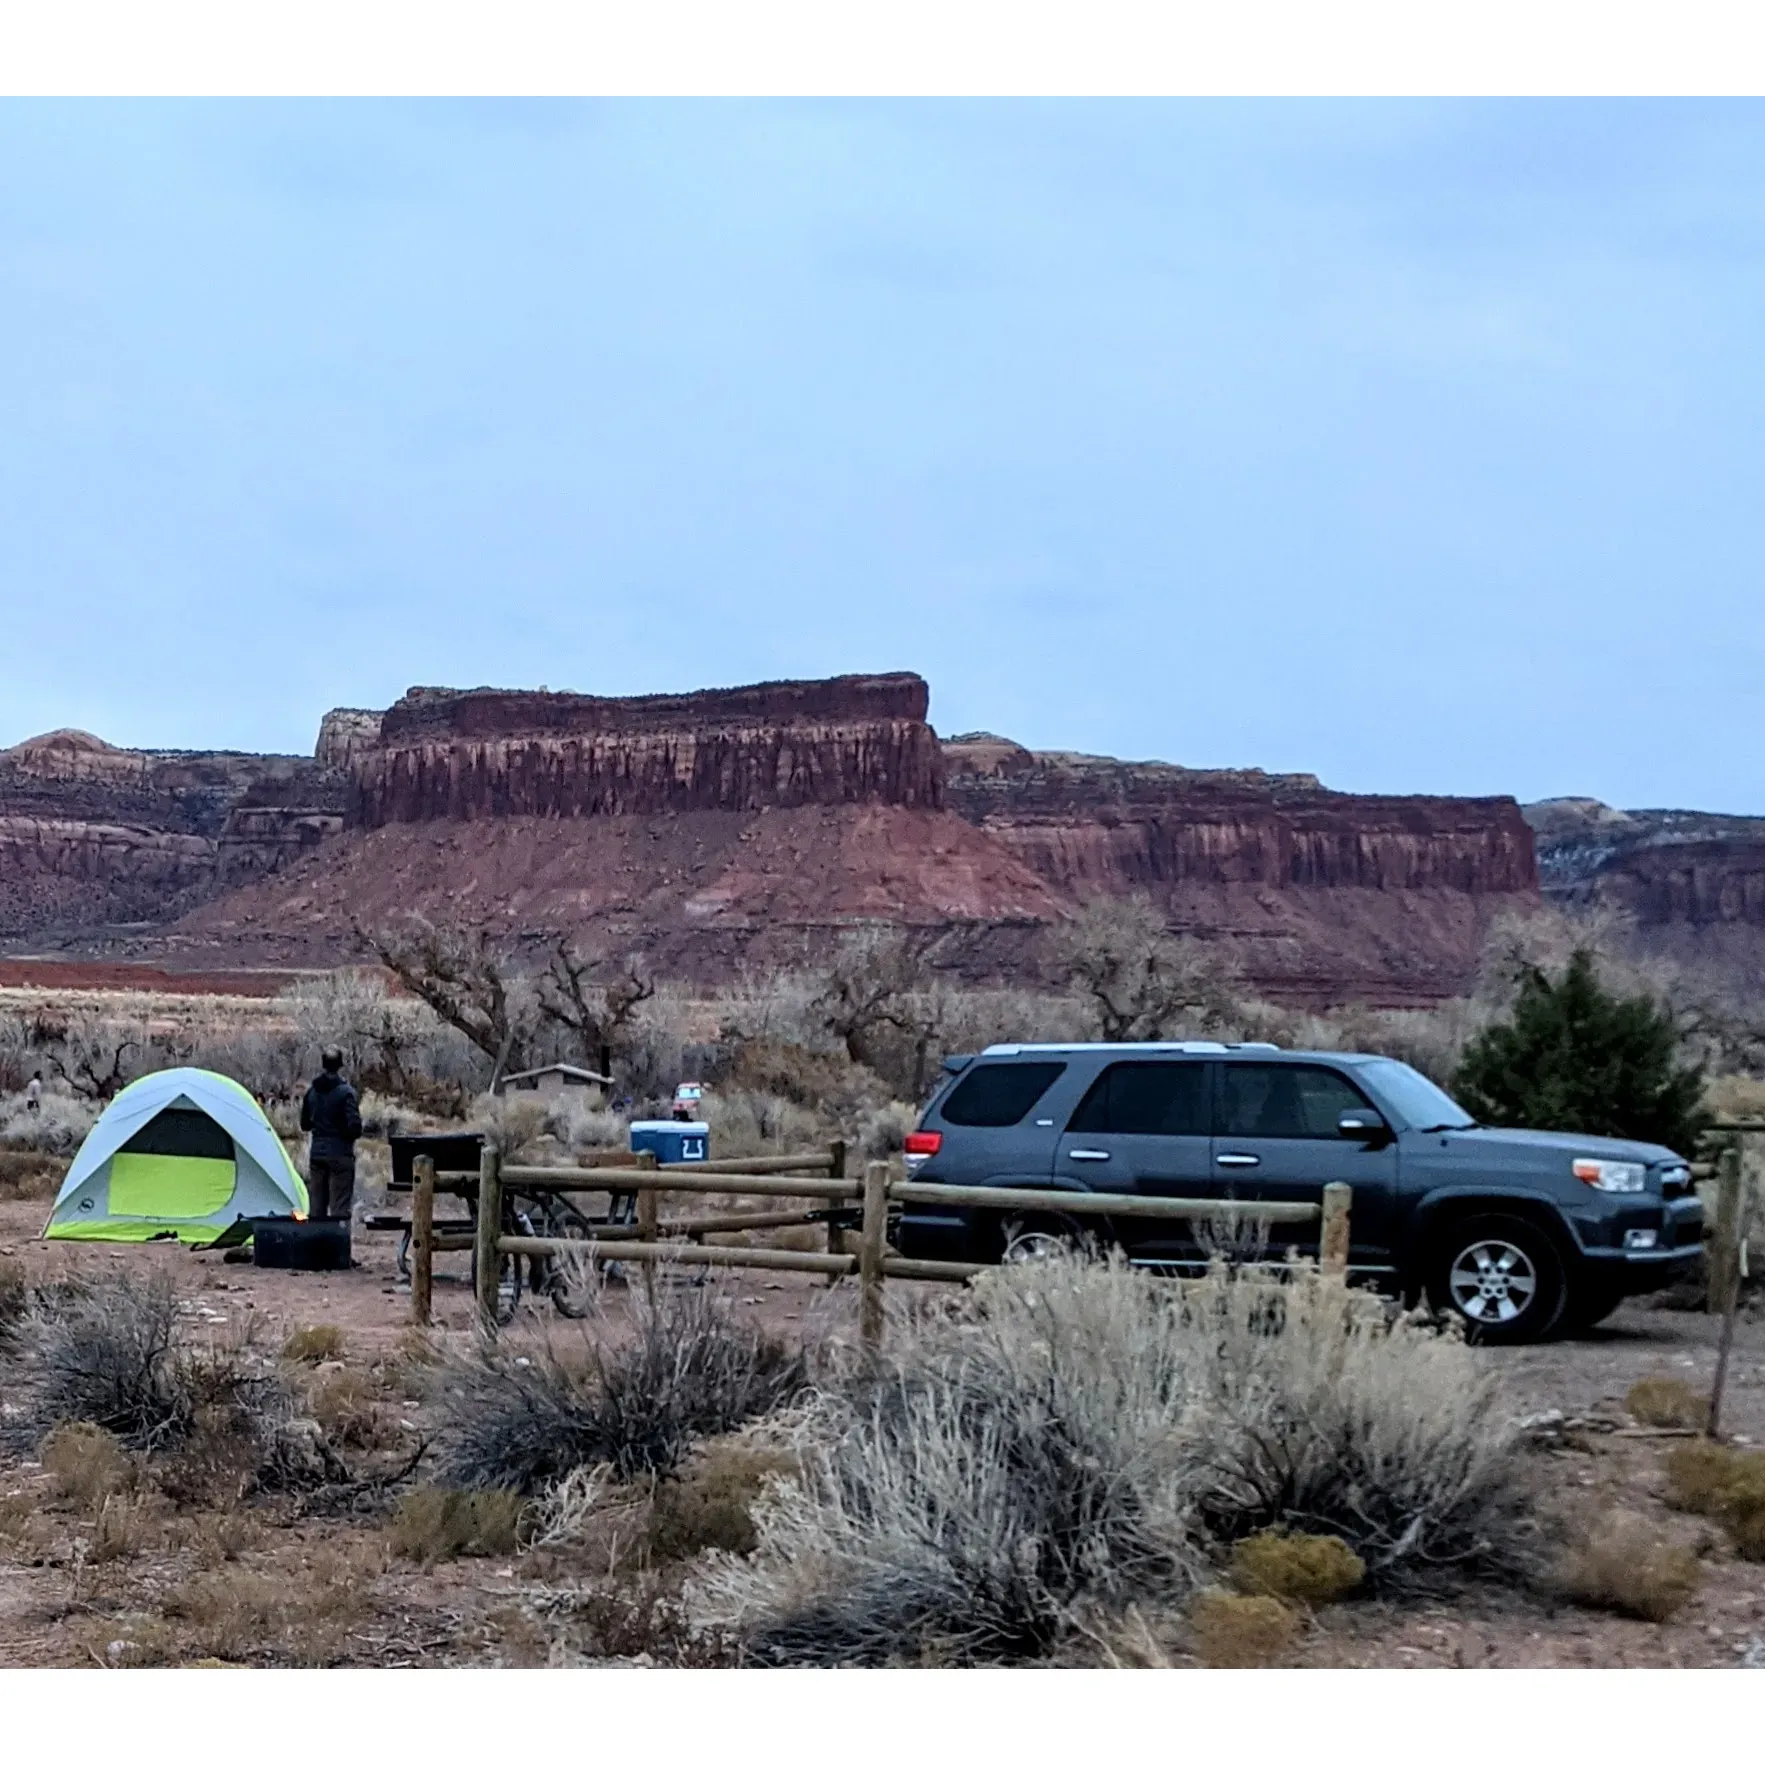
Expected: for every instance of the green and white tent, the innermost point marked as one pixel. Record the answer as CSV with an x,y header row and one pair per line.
x,y
183,1152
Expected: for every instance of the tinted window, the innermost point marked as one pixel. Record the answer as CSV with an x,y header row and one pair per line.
x,y
1269,1102
999,1096
1422,1101
1146,1097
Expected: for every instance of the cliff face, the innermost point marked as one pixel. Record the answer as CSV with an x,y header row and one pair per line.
x,y
1092,825
744,824
92,834
465,756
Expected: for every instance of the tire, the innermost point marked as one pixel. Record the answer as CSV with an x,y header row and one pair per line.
x,y
1590,1303
1500,1276
1032,1237
570,1283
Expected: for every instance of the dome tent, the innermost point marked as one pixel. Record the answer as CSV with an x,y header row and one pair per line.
x,y
181,1153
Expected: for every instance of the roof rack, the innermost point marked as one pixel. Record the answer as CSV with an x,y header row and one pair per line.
x,y
1007,1048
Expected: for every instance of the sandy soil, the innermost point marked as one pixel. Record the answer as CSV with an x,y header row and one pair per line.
x,y
55,1609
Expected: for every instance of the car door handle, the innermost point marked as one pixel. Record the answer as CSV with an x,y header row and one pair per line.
x,y
1238,1159
1086,1156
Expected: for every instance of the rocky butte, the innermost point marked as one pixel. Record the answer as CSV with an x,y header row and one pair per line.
x,y
742,825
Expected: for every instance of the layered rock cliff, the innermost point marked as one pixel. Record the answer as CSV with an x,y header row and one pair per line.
x,y
93,834
464,756
1682,884
747,823
1095,825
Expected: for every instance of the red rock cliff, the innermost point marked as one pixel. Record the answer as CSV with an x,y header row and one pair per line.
x,y
465,756
1092,825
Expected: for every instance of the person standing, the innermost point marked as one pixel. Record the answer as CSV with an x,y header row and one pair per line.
x,y
34,1093
330,1113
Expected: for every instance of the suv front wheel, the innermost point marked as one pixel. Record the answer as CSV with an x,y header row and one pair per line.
x,y
1500,1276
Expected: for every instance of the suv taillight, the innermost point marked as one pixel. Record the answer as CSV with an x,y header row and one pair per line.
x,y
920,1145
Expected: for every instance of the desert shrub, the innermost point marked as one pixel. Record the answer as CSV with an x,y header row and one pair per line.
x,y
112,1354
15,1301
1015,1458
1301,1568
1242,1629
122,1526
223,1537
882,1131
56,1127
1578,1057
709,1506
1725,1483
314,1343
304,1620
1624,1565
432,1525
30,1175
807,1077
1666,1403
688,1370
346,1404
85,1464
1076,1435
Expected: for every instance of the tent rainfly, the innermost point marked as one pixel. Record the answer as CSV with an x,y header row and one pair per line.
x,y
179,1154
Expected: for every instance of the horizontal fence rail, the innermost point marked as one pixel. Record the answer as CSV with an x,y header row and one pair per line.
x,y
796,1178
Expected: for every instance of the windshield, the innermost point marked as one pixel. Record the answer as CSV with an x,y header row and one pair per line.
x,y
1419,1101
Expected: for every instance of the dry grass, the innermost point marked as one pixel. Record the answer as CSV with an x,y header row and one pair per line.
x,y
1622,1564
1242,1629
1073,1437
709,1506
347,1405
314,1343
1725,1483
1666,1403
305,1620
30,1175
123,1526
433,1525
85,1464
1300,1568
220,1538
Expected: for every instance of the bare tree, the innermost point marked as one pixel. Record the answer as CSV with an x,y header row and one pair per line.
x,y
461,976
1139,982
592,1002
869,985
96,1060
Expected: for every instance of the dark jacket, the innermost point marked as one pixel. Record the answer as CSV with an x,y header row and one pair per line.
x,y
331,1115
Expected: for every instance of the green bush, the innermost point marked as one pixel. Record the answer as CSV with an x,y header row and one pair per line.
x,y
1302,1568
1578,1058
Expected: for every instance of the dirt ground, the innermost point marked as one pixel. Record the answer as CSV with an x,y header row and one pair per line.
x,y
60,1606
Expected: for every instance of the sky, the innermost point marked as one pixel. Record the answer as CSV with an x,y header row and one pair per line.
x,y
1420,446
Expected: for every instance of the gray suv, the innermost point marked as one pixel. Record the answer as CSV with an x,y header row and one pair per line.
x,y
1520,1233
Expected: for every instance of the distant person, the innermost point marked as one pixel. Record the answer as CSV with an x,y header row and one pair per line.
x,y
34,1093
331,1114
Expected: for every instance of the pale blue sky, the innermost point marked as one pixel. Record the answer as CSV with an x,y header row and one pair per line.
x,y
1418,445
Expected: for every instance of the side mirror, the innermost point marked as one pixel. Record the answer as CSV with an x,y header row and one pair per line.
x,y
1365,1125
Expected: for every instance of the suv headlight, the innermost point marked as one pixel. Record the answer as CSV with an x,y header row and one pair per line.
x,y
1613,1175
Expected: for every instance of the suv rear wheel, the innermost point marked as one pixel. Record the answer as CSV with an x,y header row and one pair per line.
x,y
1031,1237
1500,1276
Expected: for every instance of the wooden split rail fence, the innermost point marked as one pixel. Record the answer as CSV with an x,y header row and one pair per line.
x,y
799,1179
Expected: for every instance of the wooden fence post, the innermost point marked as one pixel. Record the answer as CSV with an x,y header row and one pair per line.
x,y
1333,1231
872,1247
1724,1281
836,1233
422,1241
487,1262
646,1224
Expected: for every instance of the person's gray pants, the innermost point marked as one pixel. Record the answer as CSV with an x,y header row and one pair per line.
x,y
330,1186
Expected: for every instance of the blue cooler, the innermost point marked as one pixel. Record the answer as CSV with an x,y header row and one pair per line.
x,y
673,1142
